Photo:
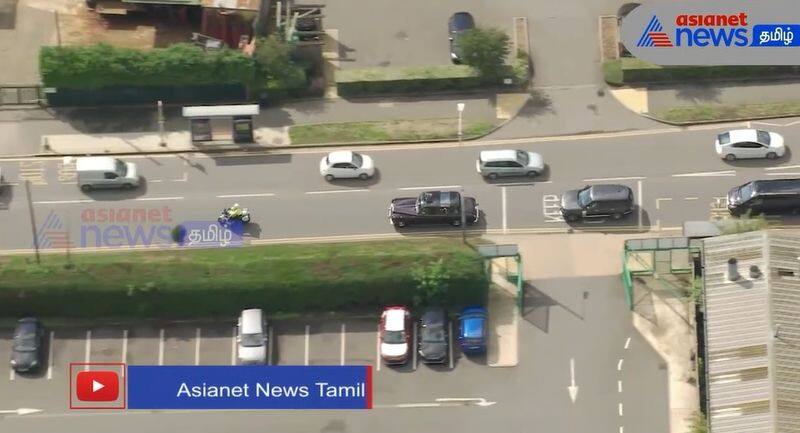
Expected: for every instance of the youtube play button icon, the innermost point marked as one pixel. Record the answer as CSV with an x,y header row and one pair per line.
x,y
97,386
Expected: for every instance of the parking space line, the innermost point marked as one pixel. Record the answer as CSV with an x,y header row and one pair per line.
x,y
450,344
659,200
197,347
378,349
341,351
414,346
161,346
124,349
270,345
87,358
50,356
11,374
308,330
233,347
639,202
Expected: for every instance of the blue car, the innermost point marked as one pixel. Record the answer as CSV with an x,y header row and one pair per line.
x,y
472,330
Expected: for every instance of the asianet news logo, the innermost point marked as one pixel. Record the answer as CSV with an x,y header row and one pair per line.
x,y
699,30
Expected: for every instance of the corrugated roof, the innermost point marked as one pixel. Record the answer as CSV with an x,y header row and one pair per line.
x,y
753,376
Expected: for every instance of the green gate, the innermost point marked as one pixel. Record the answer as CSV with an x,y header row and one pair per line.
x,y
657,257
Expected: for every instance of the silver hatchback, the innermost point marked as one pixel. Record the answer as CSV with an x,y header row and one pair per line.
x,y
496,163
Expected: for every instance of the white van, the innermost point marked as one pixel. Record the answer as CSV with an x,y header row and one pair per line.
x,y
251,336
105,172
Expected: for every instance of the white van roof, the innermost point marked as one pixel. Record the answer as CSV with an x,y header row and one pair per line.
x,y
251,321
96,163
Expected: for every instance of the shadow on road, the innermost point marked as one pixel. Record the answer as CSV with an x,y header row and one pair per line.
x,y
278,158
358,183
115,194
627,224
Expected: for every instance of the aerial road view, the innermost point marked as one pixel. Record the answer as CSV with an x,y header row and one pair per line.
x,y
297,216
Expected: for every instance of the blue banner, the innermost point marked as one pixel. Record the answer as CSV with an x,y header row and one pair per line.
x,y
249,387
776,35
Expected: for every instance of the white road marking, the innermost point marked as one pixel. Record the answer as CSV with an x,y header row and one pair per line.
x,y
270,345
414,346
337,191
619,409
266,194
502,185
62,201
411,188
749,125
627,343
619,365
87,355
659,200
619,386
767,123
124,349
783,167
341,351
707,174
161,346
233,347
551,208
450,344
600,221
505,216
157,198
639,200
197,347
378,349
155,180
50,355
11,374
308,337
691,198
783,174
184,178
604,179
621,429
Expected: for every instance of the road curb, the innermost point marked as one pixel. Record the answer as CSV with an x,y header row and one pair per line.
x,y
715,121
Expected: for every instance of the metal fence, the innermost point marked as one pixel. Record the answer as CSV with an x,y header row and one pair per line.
x,y
21,95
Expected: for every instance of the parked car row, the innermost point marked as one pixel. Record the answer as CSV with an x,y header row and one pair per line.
x,y
433,339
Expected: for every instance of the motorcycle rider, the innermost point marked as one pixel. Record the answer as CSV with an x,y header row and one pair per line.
x,y
235,211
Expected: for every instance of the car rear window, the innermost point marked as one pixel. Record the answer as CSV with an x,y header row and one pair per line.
x,y
724,138
462,21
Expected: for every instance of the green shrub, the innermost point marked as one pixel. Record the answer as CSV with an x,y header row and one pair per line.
x,y
101,65
424,79
612,72
276,73
521,69
188,283
638,71
486,50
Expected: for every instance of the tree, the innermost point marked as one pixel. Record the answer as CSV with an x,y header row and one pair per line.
x,y
485,50
433,282
275,69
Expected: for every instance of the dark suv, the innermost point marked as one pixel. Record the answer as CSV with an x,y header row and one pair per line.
x,y
597,201
773,196
433,207
459,23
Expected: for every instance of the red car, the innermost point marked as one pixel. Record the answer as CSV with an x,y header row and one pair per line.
x,y
395,334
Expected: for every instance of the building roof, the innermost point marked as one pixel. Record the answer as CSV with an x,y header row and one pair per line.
x,y
753,332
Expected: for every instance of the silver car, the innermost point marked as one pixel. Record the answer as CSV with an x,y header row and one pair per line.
x,y
496,163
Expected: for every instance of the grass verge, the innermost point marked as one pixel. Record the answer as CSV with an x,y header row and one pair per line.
x,y
701,113
612,72
178,284
389,130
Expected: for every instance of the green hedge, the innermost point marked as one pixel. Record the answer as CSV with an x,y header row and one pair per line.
x,y
102,65
639,71
419,79
220,282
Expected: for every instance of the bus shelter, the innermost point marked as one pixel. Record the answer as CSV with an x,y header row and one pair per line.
x,y
207,122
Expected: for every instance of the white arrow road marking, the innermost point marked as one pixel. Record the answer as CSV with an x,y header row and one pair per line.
x,y
20,411
572,388
707,174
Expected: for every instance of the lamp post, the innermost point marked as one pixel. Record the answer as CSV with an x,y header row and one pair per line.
x,y
460,107
161,140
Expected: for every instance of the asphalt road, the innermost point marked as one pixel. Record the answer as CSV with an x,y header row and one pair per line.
x,y
674,174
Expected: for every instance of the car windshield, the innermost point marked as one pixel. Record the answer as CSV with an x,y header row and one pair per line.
x,y
252,340
584,197
522,157
25,343
122,169
433,334
357,159
746,191
763,137
724,138
394,337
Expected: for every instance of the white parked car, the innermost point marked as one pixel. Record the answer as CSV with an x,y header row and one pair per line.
x,y
749,143
251,337
395,334
345,164
497,163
